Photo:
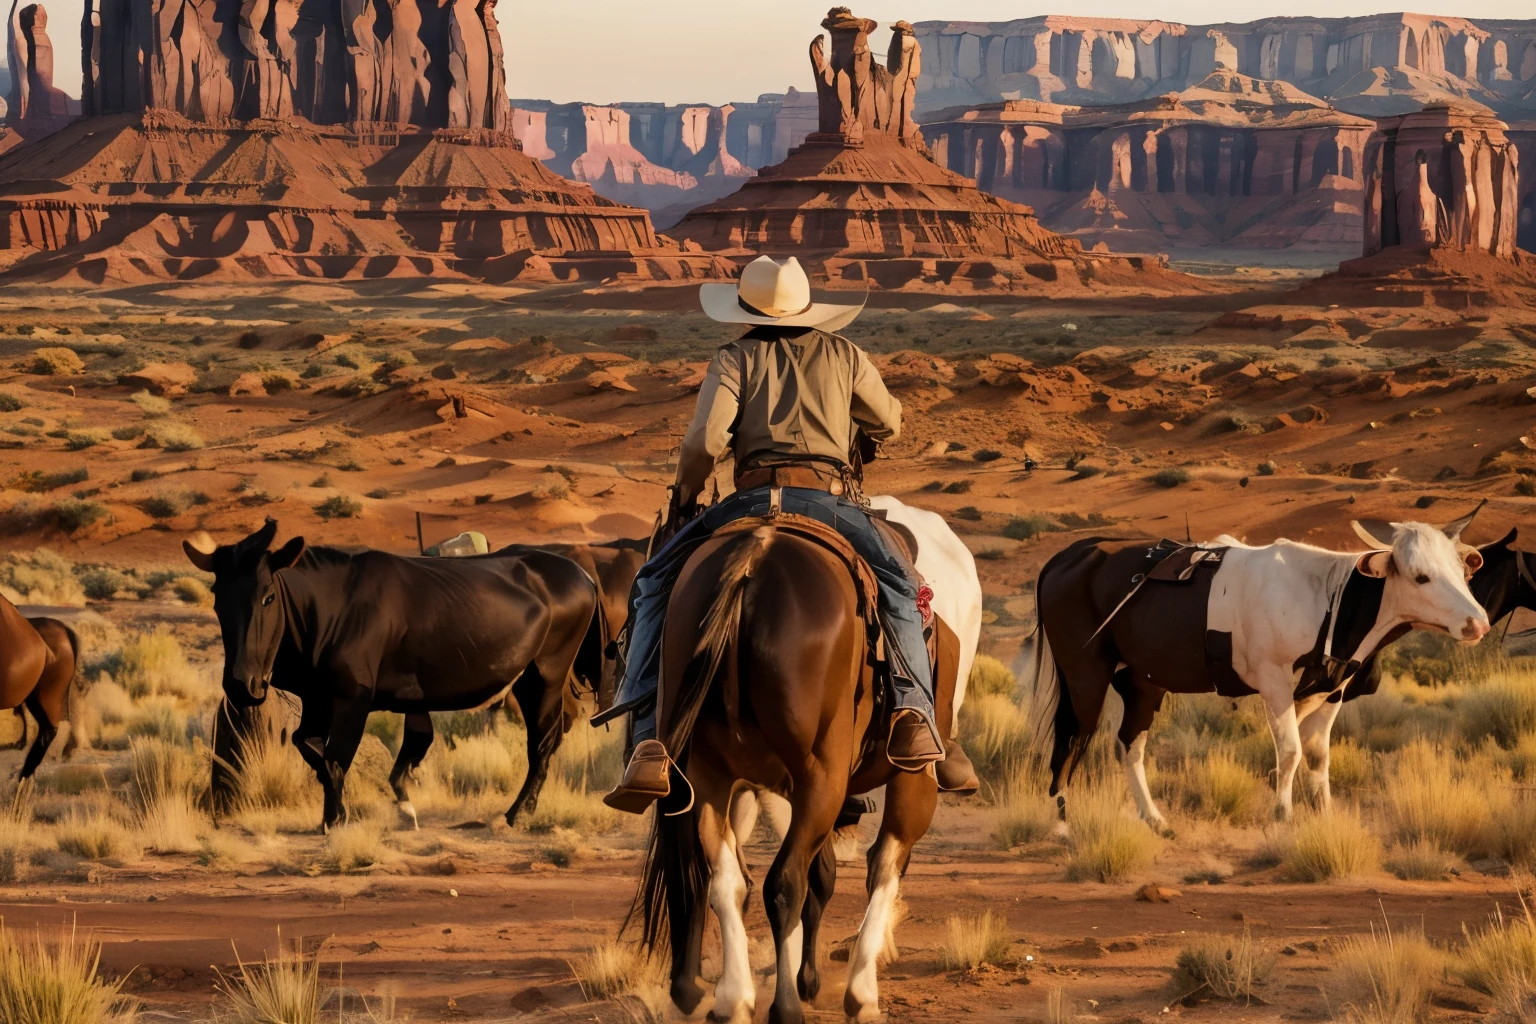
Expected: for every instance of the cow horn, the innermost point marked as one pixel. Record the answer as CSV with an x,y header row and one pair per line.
x,y
1453,529
1378,533
199,549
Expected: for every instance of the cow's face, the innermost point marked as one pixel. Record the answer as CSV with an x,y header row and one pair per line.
x,y
1426,571
249,605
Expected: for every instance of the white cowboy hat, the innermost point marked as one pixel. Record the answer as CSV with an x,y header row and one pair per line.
x,y
777,294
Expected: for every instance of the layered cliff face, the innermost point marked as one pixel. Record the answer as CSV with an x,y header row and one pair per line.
x,y
862,203
229,138
1373,66
1233,161
667,159
1444,176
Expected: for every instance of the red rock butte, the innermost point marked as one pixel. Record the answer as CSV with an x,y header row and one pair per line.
x,y
1442,198
375,147
862,203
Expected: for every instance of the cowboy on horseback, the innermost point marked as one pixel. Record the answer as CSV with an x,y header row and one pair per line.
x,y
788,399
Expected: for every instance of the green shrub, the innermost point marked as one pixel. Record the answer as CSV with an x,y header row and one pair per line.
x,y
1028,527
163,506
72,514
339,506
131,432
36,481
1173,476
1268,468
102,582
79,440
9,402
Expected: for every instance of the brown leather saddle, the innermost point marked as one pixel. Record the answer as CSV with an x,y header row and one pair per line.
x,y
1173,562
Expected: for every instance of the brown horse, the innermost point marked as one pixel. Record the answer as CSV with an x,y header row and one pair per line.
x,y
768,680
37,665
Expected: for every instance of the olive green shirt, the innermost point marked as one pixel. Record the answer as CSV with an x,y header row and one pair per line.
x,y
785,390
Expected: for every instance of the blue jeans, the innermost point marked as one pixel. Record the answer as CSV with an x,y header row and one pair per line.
x,y
911,676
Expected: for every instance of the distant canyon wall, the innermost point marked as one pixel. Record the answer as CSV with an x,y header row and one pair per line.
x,y
1233,161
1375,66
667,158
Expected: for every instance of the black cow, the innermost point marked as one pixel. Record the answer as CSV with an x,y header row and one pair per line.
x,y
1504,583
351,632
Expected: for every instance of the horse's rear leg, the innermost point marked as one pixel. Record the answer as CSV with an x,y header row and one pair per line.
x,y
46,730
823,877
816,802
1142,701
415,740
735,992
910,799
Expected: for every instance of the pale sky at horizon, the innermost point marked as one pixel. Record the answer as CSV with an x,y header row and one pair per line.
x,y
717,51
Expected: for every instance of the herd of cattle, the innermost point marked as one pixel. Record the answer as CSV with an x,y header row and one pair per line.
x,y
350,632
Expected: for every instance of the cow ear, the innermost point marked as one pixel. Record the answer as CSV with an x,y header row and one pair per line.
x,y
1378,533
200,548
1471,558
286,555
1454,528
1377,564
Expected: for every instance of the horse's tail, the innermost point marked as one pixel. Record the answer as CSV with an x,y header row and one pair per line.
x,y
1052,719
675,874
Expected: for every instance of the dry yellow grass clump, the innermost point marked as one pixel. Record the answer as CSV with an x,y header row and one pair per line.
x,y
152,664
613,968
1330,845
1106,843
1432,796
1231,967
1022,813
95,835
974,940
355,846
53,981
1221,788
277,791
1500,960
1386,977
283,989
16,836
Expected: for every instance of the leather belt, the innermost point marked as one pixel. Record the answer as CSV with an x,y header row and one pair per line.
x,y
791,474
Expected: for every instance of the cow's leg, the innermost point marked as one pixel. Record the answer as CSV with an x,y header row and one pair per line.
x,y
415,740
1316,732
1086,678
309,741
1142,701
1275,689
46,730
543,708
910,799
349,719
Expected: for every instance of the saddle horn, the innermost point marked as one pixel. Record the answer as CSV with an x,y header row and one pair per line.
x,y
1454,528
1378,533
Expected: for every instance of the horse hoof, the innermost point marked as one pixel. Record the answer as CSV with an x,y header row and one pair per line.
x,y
864,1014
408,814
